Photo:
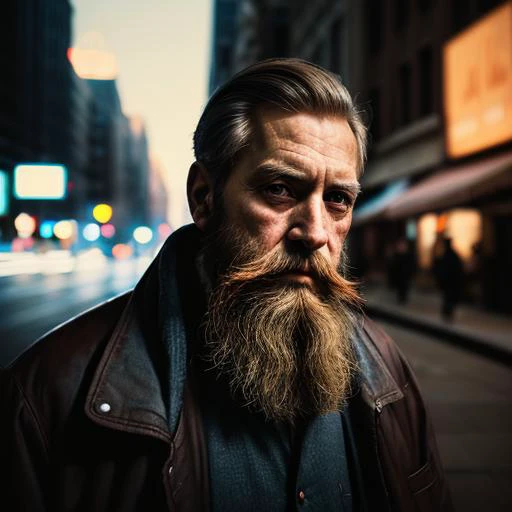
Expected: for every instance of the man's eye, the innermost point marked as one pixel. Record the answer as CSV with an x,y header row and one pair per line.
x,y
338,197
278,189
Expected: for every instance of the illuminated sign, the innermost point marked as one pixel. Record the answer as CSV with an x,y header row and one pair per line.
x,y
40,181
478,84
4,193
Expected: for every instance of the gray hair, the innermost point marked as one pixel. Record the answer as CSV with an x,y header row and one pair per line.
x,y
291,85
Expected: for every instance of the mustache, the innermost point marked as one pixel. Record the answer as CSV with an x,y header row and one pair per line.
x,y
246,269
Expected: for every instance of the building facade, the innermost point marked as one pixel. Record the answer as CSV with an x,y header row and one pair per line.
x,y
392,55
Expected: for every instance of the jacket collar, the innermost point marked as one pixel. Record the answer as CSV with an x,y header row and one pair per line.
x,y
130,389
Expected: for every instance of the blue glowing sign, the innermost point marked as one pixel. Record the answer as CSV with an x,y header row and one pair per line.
x,y
4,193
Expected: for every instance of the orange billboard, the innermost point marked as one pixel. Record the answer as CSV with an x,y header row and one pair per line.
x,y
478,84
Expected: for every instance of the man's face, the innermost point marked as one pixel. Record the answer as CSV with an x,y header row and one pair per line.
x,y
295,186
279,321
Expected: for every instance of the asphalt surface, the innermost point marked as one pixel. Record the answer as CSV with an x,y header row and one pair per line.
x,y
31,305
470,401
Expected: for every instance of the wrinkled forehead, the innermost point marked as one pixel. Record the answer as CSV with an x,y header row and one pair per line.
x,y
326,136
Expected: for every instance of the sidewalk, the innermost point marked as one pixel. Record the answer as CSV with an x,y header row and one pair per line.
x,y
472,328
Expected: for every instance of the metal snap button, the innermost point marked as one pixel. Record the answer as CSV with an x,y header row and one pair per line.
x,y
104,407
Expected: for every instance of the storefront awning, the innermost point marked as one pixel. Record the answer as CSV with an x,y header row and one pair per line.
x,y
374,207
452,187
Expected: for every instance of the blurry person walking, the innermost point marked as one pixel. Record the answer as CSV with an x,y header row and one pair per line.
x,y
402,269
449,274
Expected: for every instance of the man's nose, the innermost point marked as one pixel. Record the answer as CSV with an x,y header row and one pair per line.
x,y
308,225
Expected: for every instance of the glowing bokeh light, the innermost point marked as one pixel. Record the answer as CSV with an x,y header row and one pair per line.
x,y
46,229
97,64
91,232
25,225
121,251
164,230
40,181
143,235
64,229
108,230
102,213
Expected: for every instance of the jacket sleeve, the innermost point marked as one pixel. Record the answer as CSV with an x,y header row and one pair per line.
x,y
23,449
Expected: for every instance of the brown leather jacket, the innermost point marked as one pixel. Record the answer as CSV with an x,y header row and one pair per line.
x,y
84,423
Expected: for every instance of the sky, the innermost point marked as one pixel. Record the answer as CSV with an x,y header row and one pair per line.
x,y
162,51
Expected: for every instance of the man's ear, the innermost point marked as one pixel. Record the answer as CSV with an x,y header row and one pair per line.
x,y
199,194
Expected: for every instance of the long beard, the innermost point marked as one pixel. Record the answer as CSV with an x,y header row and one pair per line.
x,y
284,348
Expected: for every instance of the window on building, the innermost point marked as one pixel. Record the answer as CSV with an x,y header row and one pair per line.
x,y
335,46
374,25
401,14
426,81
404,78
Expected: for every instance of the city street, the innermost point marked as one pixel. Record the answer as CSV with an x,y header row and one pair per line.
x,y
31,305
471,406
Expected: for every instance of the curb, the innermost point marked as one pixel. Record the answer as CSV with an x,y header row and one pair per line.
x,y
462,340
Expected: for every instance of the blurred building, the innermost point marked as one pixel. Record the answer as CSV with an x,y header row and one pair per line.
x,y
106,143
37,99
223,40
437,79
158,199
245,31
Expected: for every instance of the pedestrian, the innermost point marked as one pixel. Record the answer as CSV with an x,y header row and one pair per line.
x,y
402,269
449,273
240,374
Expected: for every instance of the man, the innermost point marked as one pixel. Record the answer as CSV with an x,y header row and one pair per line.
x,y
240,374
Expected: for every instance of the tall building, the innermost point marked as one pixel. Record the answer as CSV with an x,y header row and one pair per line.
x,y
223,40
35,96
246,31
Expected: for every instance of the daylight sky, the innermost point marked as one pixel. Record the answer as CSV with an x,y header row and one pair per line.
x,y
162,51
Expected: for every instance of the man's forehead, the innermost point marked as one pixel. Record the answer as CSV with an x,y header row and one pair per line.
x,y
294,136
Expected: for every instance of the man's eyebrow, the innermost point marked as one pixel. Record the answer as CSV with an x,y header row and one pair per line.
x,y
353,187
272,171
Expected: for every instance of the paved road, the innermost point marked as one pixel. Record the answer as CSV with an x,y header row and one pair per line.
x,y
31,305
471,405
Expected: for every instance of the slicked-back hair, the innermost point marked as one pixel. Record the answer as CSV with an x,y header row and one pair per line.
x,y
291,85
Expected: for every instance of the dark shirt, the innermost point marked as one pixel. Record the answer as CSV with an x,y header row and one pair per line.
x,y
257,465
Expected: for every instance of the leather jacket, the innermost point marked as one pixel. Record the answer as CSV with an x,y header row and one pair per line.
x,y
84,418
